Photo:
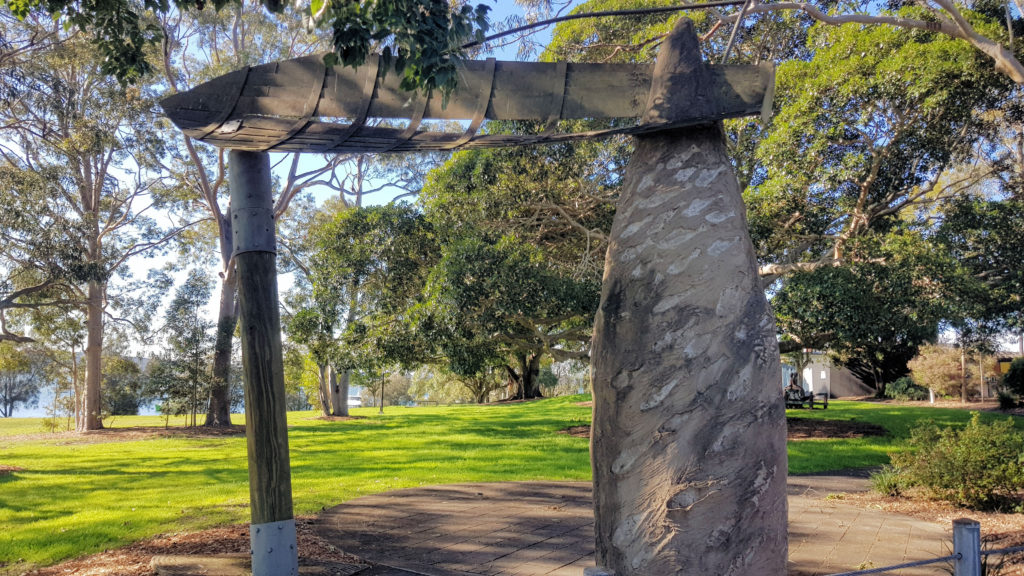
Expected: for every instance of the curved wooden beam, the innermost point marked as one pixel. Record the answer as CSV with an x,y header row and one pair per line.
x,y
300,105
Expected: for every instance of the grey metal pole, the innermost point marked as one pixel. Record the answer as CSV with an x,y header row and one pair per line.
x,y
967,543
272,531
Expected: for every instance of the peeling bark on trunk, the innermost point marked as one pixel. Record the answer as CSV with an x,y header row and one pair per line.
x,y
334,391
688,444
219,411
323,392
90,418
340,385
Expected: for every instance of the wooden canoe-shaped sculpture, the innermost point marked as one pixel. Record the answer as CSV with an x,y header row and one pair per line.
x,y
301,105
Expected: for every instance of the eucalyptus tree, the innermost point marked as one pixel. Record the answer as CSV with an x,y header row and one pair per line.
x,y
86,147
198,45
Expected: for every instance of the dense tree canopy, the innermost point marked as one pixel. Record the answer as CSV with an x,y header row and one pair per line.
x,y
421,37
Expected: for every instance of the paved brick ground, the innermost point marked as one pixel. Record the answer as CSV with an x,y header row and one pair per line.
x,y
546,529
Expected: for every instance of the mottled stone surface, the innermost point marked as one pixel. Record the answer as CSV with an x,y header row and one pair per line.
x,y
689,428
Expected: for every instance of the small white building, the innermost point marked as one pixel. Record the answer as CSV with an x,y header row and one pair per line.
x,y
820,375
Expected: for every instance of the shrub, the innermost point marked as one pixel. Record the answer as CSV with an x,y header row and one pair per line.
x,y
980,466
1007,400
905,389
1014,377
889,482
938,368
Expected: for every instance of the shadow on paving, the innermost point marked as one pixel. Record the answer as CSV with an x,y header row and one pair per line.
x,y
547,529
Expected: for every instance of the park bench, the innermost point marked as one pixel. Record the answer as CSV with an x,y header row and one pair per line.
x,y
797,398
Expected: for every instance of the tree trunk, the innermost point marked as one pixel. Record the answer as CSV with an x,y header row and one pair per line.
x,y
76,391
339,406
963,374
982,389
689,436
514,386
93,358
323,393
341,389
219,411
381,409
531,376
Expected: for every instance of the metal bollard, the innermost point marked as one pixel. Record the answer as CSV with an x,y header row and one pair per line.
x,y
967,546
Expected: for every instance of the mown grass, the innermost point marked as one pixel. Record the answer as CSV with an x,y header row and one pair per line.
x,y
810,456
76,496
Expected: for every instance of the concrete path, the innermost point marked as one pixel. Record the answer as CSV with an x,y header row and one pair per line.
x,y
547,529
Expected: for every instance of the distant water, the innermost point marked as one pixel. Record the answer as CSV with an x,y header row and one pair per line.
x,y
46,399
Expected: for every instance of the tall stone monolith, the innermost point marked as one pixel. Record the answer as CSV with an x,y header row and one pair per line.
x,y
688,445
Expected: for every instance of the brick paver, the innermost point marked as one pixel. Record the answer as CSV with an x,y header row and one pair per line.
x,y
547,529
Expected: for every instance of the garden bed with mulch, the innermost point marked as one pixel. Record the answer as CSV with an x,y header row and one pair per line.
x,y
134,559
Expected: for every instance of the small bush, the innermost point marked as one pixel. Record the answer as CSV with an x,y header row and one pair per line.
x,y
1014,377
889,482
980,466
1007,401
905,389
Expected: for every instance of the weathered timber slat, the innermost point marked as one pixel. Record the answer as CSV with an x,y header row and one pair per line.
x,y
326,110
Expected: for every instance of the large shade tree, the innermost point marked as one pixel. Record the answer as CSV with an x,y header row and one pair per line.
x,y
83,147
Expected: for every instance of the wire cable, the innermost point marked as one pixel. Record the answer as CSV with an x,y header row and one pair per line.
x,y
635,12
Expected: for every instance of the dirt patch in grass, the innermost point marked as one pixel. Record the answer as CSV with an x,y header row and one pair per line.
x,y
812,428
798,429
577,431
336,418
134,559
132,433
6,470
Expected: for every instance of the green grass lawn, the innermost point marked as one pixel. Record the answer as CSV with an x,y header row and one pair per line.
x,y
810,456
77,496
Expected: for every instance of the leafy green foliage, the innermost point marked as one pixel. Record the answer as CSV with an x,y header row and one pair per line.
x,y
938,368
980,466
382,254
905,389
983,238
421,37
874,315
861,128
181,376
124,385
523,234
558,198
1014,378
503,292
1007,400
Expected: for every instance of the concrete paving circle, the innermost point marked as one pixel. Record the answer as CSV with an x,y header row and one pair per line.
x,y
547,529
